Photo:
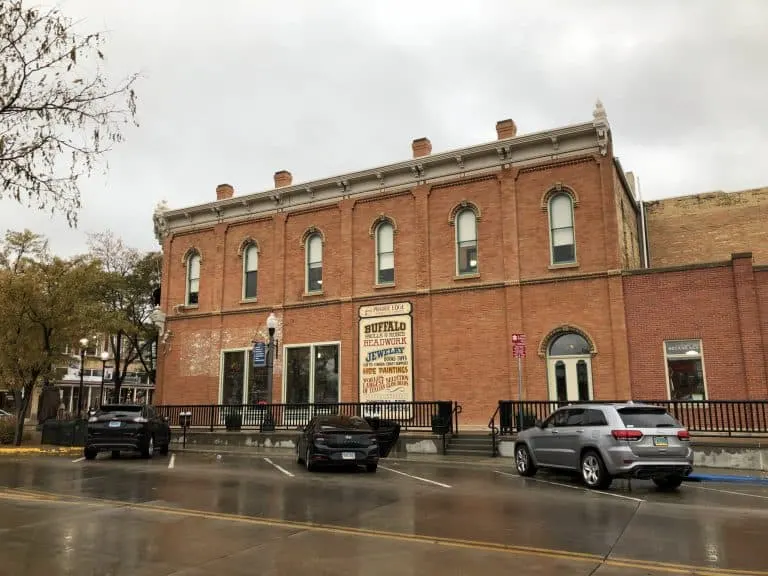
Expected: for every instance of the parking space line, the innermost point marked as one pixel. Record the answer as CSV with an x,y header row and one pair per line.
x,y
762,497
283,470
507,474
172,461
572,487
78,460
416,477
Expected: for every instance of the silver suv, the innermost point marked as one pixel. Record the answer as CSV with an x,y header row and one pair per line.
x,y
604,441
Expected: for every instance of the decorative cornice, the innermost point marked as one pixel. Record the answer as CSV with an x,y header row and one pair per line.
x,y
534,148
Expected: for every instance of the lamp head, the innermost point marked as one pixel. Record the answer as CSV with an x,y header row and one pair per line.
x,y
272,321
84,342
104,356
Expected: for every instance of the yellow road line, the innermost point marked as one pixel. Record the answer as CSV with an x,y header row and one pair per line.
x,y
556,554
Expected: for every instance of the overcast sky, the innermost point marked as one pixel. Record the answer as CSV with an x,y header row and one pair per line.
x,y
237,89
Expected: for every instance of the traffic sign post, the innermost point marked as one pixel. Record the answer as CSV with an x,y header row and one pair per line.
x,y
518,351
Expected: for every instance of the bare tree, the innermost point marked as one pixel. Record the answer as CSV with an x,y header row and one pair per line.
x,y
58,114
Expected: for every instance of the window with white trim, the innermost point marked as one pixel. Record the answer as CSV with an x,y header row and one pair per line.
x,y
314,263
562,237
311,373
193,279
250,271
466,242
685,369
385,253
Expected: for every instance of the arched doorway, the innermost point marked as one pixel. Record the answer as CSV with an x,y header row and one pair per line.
x,y
569,368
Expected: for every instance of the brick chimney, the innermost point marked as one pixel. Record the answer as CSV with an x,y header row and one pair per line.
x,y
283,178
421,147
224,191
506,129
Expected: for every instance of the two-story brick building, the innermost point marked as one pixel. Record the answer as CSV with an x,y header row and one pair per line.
x,y
407,281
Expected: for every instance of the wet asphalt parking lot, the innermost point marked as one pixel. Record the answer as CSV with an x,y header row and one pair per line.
x,y
194,514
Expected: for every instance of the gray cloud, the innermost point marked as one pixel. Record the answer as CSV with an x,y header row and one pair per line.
x,y
233,94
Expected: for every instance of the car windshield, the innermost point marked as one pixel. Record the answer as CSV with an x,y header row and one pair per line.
x,y
647,417
343,423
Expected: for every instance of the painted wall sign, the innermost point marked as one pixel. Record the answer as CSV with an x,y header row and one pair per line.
x,y
385,309
386,356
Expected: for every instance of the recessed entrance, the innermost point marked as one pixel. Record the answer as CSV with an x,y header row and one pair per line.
x,y
569,368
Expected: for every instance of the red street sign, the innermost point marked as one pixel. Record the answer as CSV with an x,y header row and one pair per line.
x,y
518,345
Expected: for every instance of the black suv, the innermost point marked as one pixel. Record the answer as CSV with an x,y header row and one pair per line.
x,y
134,427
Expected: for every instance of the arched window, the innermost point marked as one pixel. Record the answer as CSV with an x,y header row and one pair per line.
x,y
250,271
314,250
385,253
562,239
466,242
569,344
193,279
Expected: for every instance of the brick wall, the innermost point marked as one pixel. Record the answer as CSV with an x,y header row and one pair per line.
x,y
707,303
708,227
462,327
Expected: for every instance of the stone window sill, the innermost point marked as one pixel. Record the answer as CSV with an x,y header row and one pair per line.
x,y
253,300
384,285
564,266
474,276
314,294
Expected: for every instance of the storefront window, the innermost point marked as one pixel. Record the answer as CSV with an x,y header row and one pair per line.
x,y
233,377
312,374
257,381
685,369
297,375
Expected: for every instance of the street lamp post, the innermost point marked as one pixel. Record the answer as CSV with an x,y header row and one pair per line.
x,y
83,346
271,327
104,358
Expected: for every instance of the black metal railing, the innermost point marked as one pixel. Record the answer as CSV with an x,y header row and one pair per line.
x,y
705,417
439,417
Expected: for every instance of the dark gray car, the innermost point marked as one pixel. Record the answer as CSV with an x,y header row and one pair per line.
x,y
605,441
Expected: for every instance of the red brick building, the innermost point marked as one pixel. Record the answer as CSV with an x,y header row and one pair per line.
x,y
407,281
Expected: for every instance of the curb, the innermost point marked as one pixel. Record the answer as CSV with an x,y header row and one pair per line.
x,y
727,478
22,451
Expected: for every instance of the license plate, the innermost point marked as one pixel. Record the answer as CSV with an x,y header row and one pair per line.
x,y
115,424
347,455
660,441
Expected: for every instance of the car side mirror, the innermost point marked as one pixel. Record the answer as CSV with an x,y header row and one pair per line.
x,y
538,423
166,419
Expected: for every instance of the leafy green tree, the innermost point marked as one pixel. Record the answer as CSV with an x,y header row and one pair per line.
x,y
46,302
58,114
130,277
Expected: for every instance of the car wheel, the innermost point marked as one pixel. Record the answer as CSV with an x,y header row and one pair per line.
x,y
164,449
149,449
371,468
523,461
668,482
90,453
593,471
308,462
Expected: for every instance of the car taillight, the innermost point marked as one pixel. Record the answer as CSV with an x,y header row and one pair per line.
x,y
683,435
627,434
319,438
374,440
140,419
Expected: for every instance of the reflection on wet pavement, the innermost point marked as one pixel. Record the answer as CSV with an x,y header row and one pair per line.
x,y
238,516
